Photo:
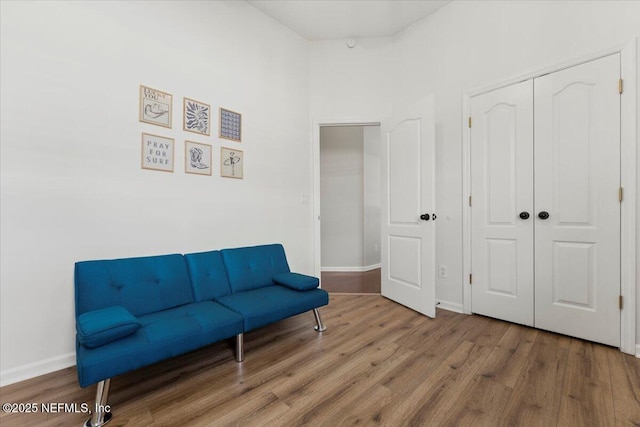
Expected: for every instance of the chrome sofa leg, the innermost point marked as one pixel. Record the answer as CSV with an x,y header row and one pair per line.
x,y
101,412
239,347
319,327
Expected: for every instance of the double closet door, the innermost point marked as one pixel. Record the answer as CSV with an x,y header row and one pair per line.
x,y
545,208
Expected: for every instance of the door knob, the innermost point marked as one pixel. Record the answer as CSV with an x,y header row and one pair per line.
x,y
424,217
543,215
524,215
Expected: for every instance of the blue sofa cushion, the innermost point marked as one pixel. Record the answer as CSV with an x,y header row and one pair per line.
x,y
208,277
299,282
141,285
253,267
99,327
263,306
164,334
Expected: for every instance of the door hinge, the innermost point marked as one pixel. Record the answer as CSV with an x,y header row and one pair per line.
x,y
620,88
620,194
620,304
469,121
469,200
471,279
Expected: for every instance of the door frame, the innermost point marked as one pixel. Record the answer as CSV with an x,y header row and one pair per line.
x,y
628,178
315,155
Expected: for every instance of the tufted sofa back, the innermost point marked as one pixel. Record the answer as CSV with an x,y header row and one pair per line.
x,y
141,285
208,276
253,267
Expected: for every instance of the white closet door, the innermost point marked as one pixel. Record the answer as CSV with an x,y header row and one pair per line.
x,y
408,178
502,215
577,177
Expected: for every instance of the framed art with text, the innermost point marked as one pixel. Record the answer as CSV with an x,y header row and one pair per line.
x,y
155,106
157,152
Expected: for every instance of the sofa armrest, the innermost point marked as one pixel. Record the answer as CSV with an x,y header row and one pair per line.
x,y
296,281
100,327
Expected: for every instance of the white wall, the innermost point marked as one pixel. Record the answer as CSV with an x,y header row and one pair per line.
x,y
350,83
372,146
72,186
468,45
342,197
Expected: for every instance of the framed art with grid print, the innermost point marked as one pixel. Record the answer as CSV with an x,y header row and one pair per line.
x,y
230,126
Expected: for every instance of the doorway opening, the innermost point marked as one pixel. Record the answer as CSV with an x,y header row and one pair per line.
x,y
349,207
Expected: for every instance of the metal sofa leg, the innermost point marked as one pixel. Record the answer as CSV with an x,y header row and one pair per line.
x,y
101,412
239,347
319,327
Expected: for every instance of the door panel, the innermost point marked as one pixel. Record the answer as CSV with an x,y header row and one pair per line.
x,y
404,260
404,173
570,156
408,177
573,273
502,188
500,280
577,176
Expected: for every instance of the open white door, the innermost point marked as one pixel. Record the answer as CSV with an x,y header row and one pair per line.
x,y
408,207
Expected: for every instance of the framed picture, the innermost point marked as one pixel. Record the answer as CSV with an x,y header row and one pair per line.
x,y
196,116
197,158
155,106
231,163
230,126
157,152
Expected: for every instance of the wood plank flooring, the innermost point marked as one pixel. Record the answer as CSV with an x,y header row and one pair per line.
x,y
367,282
378,363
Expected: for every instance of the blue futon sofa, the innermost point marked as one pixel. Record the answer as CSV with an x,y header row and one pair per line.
x,y
133,312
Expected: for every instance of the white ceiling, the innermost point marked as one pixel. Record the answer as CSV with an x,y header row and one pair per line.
x,y
343,19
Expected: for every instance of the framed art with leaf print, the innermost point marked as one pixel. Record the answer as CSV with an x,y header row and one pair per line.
x,y
196,116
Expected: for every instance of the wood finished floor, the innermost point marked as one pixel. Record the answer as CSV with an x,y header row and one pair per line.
x,y
367,282
377,364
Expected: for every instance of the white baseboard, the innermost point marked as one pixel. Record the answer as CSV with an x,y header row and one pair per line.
x,y
638,351
451,306
350,269
32,370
